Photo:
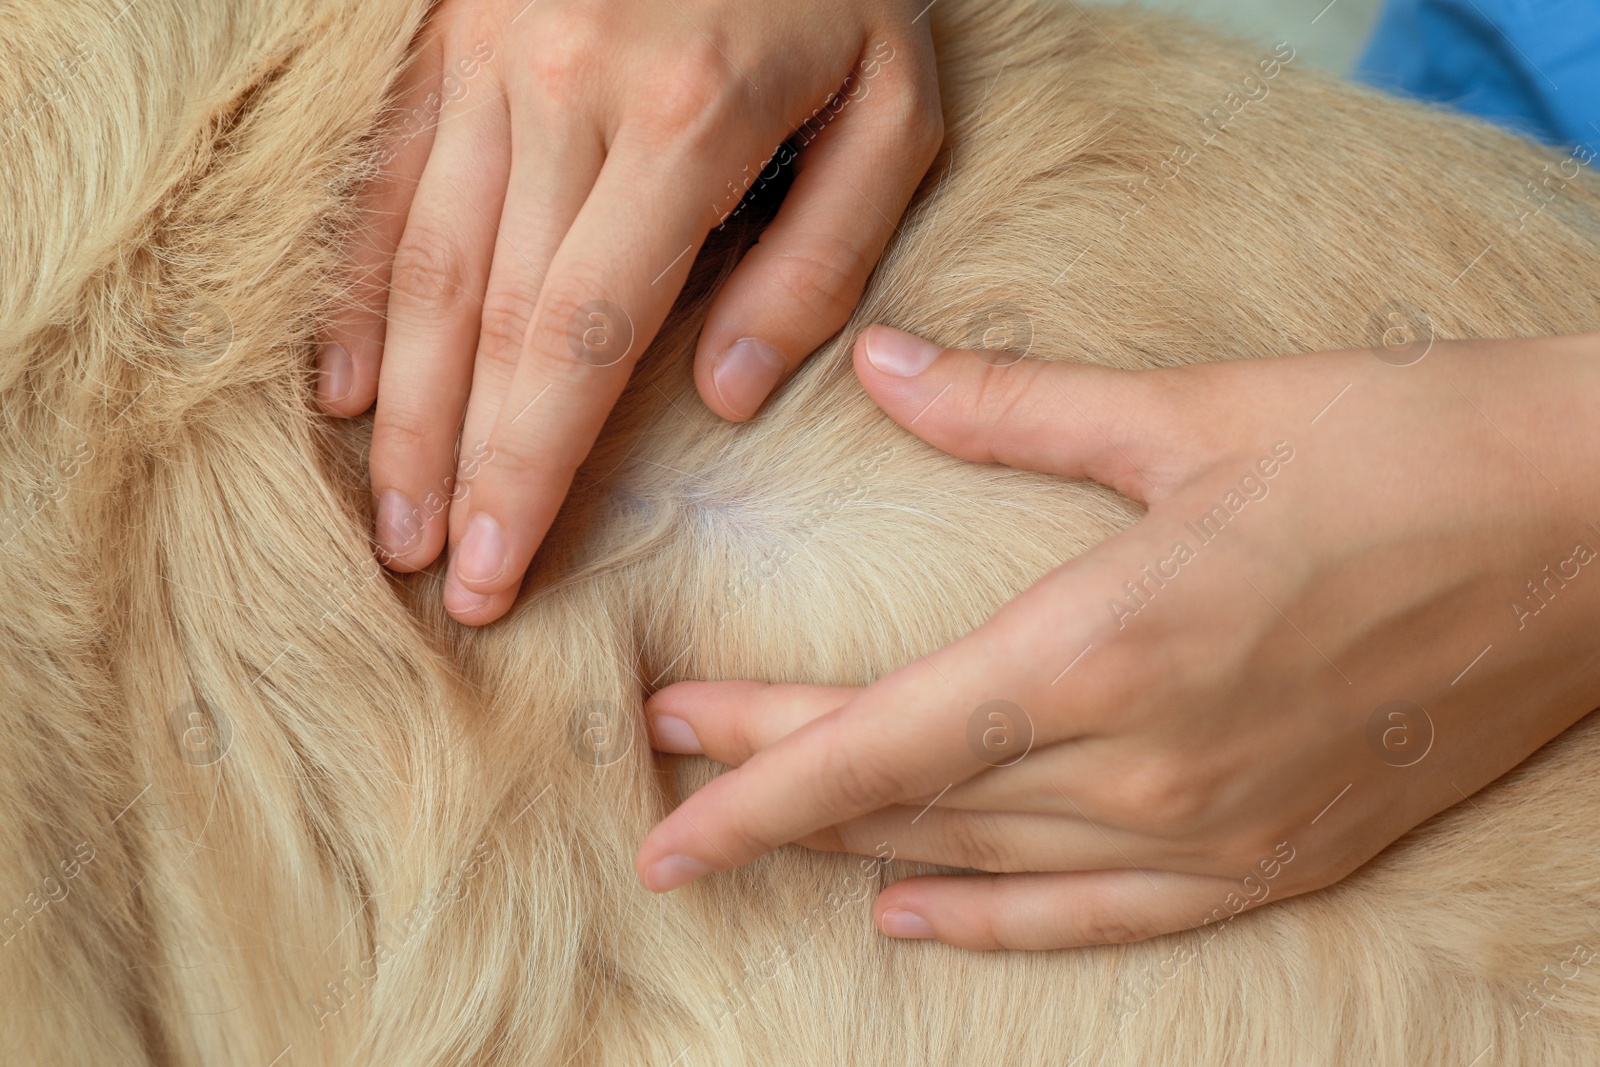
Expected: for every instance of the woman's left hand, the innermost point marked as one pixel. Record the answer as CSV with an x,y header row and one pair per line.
x,y
528,225
1361,592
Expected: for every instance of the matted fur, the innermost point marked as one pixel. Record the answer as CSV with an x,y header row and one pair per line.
x,y
405,855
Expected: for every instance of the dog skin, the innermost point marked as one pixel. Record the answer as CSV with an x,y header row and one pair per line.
x,y
309,819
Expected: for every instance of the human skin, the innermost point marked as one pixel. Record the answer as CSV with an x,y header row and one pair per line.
x,y
1431,539
520,251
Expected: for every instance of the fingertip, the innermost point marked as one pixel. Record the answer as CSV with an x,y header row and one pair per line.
x,y
741,377
346,382
482,558
335,377
949,914
885,352
905,924
910,909
464,604
406,537
670,872
907,376
474,609
671,713
1077,420
673,735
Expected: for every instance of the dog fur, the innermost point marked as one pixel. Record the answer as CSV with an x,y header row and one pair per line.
x,y
395,840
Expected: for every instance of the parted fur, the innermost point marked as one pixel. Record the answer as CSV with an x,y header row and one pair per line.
x,y
261,803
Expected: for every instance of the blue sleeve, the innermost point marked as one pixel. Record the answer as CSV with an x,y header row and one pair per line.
x,y
1531,65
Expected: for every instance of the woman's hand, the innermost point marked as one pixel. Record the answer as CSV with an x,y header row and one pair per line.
x,y
1361,592
556,166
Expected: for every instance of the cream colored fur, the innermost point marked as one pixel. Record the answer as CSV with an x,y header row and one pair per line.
x,y
406,854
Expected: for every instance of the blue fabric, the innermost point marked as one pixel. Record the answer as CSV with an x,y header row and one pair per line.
x,y
1531,65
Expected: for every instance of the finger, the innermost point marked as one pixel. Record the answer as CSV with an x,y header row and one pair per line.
x,y
922,728
555,161
901,738
1093,781
440,269
732,721
608,290
1073,419
351,344
995,841
1054,910
797,286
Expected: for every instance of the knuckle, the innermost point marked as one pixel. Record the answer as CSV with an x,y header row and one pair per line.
x,y
562,67
858,783
740,737
995,397
918,120
1118,697
403,433
578,332
429,269
971,838
691,97
822,284
1163,797
991,929
515,462
504,326
1102,923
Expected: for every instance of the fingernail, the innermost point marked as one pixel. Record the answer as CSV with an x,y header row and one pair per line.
x,y
899,923
461,601
673,871
338,373
398,524
904,355
745,375
674,735
482,555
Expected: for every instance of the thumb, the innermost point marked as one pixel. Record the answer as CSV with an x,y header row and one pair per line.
x,y
1078,420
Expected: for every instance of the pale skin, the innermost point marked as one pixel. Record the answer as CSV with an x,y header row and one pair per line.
x,y
1207,748
1227,722
539,208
